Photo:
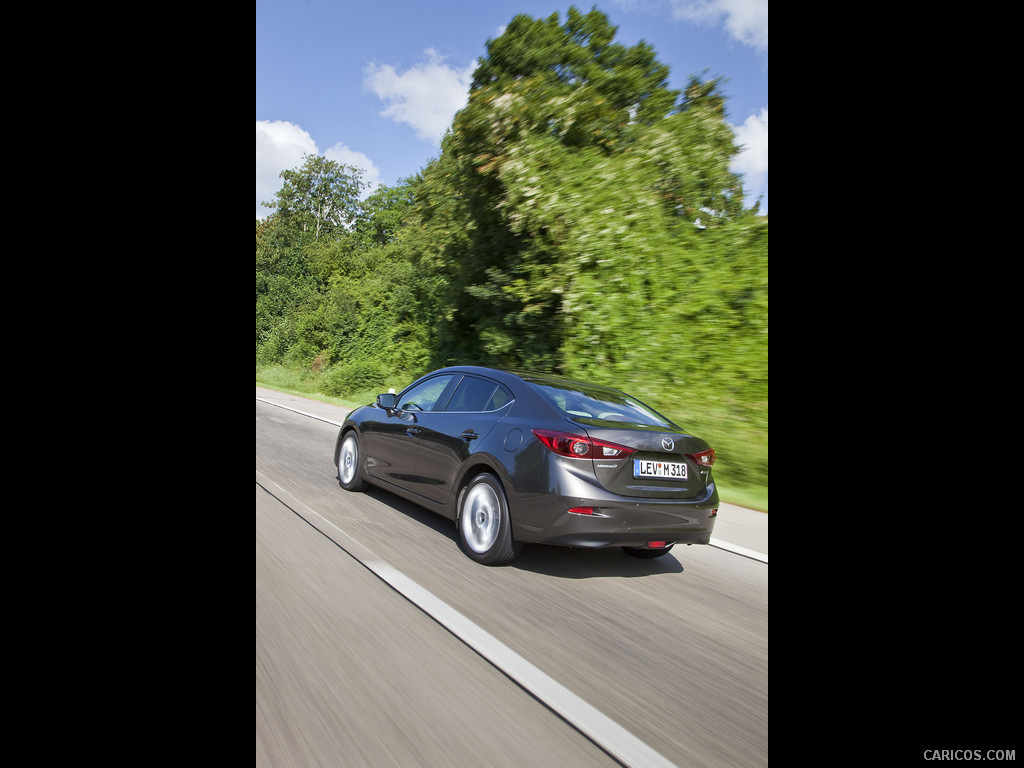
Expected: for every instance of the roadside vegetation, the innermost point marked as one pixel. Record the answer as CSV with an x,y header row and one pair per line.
x,y
581,218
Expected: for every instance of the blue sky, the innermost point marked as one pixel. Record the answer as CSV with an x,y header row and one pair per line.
x,y
375,83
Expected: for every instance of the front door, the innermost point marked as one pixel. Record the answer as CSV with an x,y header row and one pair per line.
x,y
394,446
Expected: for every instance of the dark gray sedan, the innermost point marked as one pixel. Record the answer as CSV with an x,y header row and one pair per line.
x,y
516,458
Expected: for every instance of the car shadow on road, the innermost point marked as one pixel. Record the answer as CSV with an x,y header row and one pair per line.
x,y
558,562
580,563
422,516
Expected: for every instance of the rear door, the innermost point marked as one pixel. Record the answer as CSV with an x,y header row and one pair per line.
x,y
449,437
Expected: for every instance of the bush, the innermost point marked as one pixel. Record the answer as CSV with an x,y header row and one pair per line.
x,y
354,377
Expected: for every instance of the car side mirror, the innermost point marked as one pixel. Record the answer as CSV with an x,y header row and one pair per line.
x,y
388,401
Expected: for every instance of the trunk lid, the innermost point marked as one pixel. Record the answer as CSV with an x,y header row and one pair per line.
x,y
662,467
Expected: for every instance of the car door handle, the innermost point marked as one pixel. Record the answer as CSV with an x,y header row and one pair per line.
x,y
412,431
469,434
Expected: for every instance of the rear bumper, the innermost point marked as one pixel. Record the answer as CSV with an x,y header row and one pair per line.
x,y
622,522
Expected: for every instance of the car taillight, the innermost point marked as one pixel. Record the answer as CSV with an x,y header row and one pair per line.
x,y
580,447
704,458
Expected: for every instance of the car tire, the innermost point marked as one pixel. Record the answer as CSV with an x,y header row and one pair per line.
x,y
647,554
485,529
349,474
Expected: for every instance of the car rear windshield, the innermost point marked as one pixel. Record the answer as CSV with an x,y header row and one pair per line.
x,y
588,402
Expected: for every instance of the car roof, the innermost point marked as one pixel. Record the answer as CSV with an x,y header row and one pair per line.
x,y
509,376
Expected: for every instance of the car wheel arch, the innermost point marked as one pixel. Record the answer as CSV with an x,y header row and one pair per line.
x,y
483,518
342,433
478,465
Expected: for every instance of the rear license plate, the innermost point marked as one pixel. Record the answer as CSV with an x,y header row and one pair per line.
x,y
666,469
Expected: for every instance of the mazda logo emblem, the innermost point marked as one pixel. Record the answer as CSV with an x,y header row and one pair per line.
x,y
667,444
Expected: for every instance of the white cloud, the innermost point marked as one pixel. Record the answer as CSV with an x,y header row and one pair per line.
x,y
339,153
745,20
752,160
280,146
425,96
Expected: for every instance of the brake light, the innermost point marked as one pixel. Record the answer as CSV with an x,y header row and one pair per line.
x,y
704,458
580,447
581,511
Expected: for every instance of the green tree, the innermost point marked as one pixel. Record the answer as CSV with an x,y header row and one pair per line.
x,y
321,197
383,214
285,285
574,168
300,249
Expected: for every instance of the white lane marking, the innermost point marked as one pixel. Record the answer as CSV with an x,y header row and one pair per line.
x,y
592,723
734,548
296,410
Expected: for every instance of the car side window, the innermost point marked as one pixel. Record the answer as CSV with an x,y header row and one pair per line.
x,y
475,394
423,397
500,397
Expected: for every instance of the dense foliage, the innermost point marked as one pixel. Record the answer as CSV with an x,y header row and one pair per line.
x,y
581,218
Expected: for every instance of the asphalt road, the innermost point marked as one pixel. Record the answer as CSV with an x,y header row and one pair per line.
x,y
378,643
